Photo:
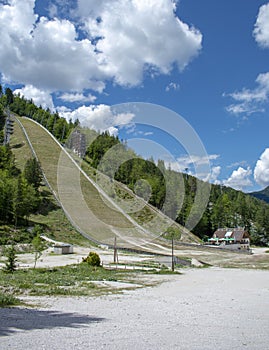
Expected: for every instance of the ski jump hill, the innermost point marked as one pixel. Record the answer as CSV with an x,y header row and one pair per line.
x,y
88,206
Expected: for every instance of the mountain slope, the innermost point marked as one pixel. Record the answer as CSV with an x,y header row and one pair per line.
x,y
88,207
263,195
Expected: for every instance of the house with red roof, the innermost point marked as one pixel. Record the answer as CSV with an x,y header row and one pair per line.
x,y
233,238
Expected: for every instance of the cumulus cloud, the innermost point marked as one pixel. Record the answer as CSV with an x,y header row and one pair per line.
x,y
239,179
45,53
261,29
99,117
122,40
39,97
149,37
261,171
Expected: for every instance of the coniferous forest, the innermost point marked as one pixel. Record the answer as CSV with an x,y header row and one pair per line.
x,y
172,192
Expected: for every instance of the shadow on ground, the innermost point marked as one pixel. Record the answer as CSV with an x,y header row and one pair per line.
x,y
17,319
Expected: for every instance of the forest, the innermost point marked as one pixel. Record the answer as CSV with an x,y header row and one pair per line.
x,y
170,191
174,193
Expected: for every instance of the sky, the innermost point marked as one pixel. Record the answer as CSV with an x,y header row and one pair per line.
x,y
186,81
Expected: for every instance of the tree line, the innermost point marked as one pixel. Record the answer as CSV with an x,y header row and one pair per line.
x,y
174,192
19,190
19,195
58,126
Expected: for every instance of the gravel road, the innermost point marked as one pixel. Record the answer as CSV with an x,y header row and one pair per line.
x,y
201,309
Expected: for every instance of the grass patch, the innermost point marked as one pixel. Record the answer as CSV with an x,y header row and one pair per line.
x,y
72,280
20,147
7,299
167,272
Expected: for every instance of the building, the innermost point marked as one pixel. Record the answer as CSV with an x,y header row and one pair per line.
x,y
232,238
63,248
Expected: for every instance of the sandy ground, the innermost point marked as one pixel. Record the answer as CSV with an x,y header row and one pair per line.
x,y
259,258
49,259
202,309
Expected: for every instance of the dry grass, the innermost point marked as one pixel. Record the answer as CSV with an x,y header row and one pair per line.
x,y
20,147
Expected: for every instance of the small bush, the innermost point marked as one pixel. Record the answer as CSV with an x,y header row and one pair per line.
x,y
8,300
10,264
93,259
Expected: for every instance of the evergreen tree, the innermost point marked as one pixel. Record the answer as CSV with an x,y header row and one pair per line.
x,y
9,96
10,264
32,173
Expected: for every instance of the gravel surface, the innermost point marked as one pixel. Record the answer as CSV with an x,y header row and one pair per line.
x,y
201,309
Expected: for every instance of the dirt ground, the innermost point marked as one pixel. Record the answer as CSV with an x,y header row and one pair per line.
x,y
211,308
204,308
259,259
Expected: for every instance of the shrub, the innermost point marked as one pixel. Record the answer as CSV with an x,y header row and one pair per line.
x,y
7,300
93,259
10,264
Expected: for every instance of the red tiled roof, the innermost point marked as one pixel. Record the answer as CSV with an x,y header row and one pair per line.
x,y
237,233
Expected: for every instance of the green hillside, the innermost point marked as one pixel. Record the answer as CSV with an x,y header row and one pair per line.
x,y
262,195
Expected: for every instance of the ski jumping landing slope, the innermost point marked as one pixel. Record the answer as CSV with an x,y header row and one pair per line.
x,y
90,210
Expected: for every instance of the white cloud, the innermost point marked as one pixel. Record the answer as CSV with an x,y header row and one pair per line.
x,y
91,8
239,179
45,53
261,29
261,171
148,36
250,101
188,160
172,86
129,39
243,108
195,165
237,164
99,118
215,172
77,97
39,97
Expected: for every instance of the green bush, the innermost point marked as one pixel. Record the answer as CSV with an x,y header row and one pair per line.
x,y
10,264
93,259
7,300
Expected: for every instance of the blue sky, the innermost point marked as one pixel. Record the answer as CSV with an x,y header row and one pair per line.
x,y
206,60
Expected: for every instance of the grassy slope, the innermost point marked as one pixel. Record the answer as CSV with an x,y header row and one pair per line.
x,y
97,221
146,215
20,147
68,187
51,216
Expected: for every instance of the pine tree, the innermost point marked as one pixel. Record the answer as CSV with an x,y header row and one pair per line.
x,y
32,173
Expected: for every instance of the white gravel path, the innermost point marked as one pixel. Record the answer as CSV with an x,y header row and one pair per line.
x,y
202,309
